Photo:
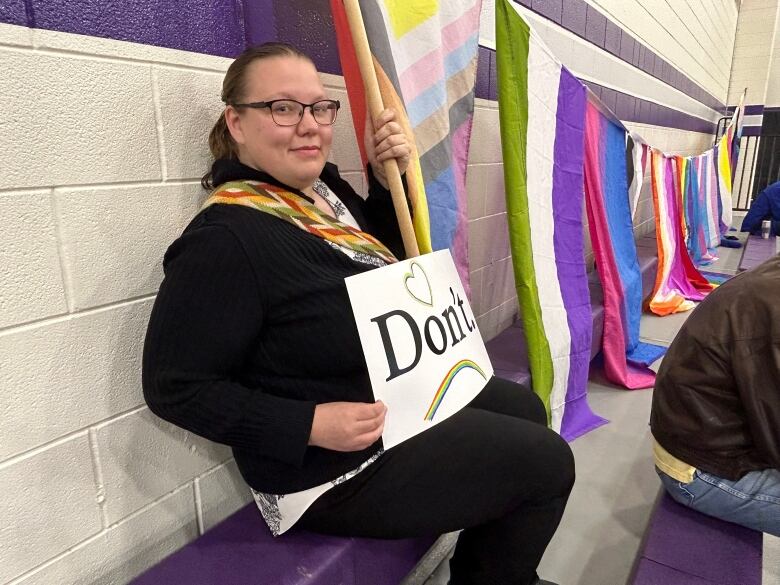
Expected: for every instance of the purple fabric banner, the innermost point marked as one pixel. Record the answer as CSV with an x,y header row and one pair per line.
x,y
567,199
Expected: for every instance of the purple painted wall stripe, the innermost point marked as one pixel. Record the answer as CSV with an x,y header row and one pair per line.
x,y
751,110
625,106
213,26
13,12
586,21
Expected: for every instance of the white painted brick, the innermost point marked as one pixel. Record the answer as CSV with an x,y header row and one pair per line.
x,y
48,505
190,104
495,196
83,121
88,45
476,180
331,81
495,321
507,313
475,279
344,152
11,34
488,240
126,550
113,238
748,5
485,145
498,284
61,376
488,325
31,286
143,458
222,491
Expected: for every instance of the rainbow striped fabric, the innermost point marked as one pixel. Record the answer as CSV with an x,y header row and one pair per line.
x,y
677,281
425,55
299,212
542,107
612,237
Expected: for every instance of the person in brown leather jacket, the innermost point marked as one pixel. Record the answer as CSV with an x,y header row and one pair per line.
x,y
716,404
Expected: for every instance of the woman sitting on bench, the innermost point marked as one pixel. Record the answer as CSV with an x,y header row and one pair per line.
x,y
252,343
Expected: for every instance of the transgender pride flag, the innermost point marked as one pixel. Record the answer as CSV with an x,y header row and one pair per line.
x,y
697,201
425,56
612,236
542,111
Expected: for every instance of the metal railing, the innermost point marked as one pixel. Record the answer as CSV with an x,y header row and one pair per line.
x,y
768,160
745,184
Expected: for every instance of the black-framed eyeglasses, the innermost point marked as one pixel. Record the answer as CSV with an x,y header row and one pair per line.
x,y
287,112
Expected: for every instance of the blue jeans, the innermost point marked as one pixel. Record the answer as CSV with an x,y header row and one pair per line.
x,y
753,501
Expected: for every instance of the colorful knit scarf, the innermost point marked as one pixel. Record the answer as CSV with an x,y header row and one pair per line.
x,y
296,210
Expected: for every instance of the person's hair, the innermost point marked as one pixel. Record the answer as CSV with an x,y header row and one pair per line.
x,y
221,143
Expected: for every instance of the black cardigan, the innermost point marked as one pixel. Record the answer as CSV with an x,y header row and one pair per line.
x,y
252,328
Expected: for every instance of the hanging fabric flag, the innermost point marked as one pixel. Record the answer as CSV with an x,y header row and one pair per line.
x,y
708,183
425,60
697,213
677,281
636,162
542,110
612,237
723,154
681,175
739,121
726,153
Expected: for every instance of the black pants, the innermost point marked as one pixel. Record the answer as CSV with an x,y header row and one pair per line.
x,y
493,469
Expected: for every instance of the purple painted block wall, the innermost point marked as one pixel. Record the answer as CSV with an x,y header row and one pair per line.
x,y
13,12
309,26
213,26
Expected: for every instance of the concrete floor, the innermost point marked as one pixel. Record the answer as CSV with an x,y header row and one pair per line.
x,y
616,487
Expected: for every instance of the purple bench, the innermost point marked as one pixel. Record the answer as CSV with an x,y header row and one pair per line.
x,y
508,352
756,251
240,550
684,547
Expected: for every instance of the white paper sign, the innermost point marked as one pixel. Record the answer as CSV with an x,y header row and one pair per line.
x,y
425,355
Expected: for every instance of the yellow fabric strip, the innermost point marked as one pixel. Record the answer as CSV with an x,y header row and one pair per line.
x,y
672,466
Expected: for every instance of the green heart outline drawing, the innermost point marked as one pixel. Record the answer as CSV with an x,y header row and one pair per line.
x,y
409,275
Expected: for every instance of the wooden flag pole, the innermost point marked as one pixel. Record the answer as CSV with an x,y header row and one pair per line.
x,y
375,107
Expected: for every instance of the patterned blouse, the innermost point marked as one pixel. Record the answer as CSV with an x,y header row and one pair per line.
x,y
281,511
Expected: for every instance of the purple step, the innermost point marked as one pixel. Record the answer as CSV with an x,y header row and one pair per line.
x,y
653,573
241,550
508,352
756,251
680,541
648,264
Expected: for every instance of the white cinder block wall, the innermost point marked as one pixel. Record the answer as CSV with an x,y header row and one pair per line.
x,y
753,52
102,146
757,55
